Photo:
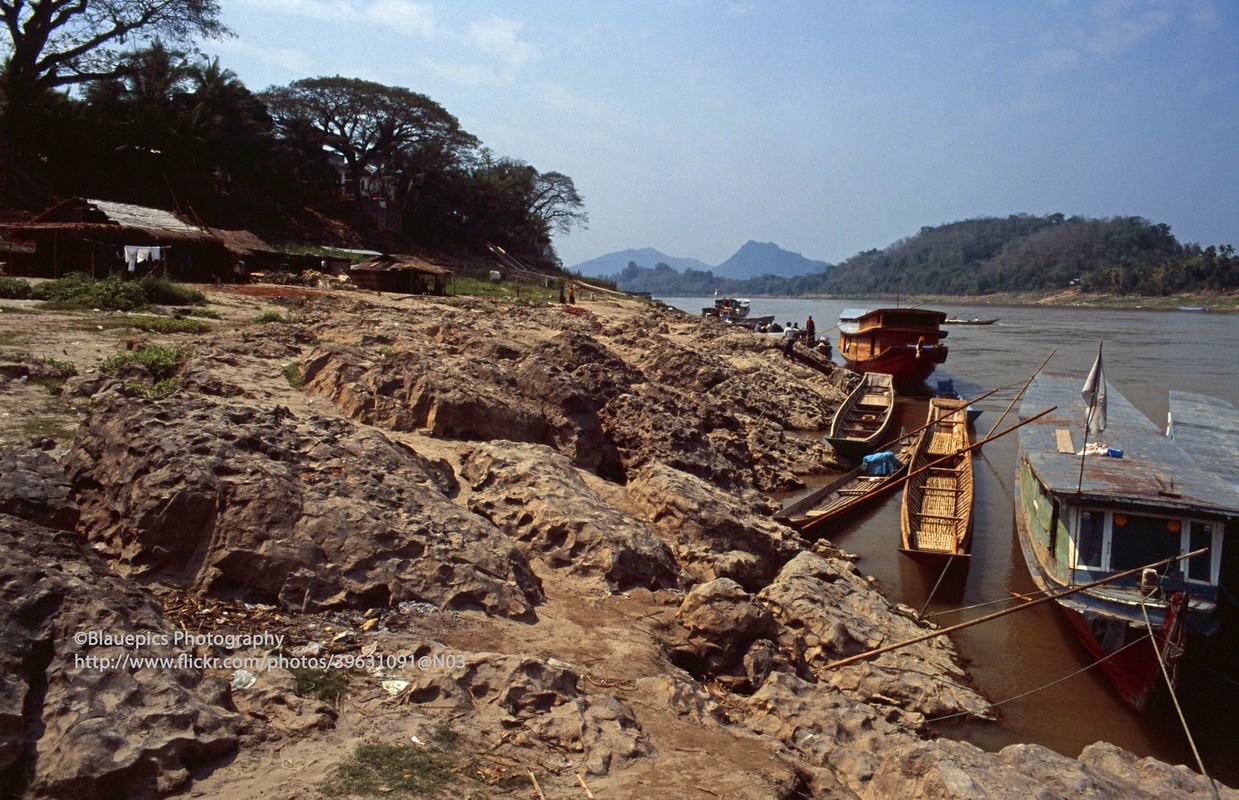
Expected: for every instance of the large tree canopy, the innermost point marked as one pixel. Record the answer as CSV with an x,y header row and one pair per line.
x,y
368,124
556,203
51,43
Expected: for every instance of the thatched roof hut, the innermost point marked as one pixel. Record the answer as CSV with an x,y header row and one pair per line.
x,y
83,235
401,274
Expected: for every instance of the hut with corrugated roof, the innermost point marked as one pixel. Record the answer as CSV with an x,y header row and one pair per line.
x,y
401,274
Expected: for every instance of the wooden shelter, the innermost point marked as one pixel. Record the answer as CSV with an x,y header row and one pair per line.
x,y
401,274
83,235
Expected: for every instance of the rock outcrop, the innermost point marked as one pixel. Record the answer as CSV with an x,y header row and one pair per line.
x,y
534,494
311,514
713,533
828,612
76,720
610,409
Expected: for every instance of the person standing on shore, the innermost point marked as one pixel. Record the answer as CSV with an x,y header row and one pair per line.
x,y
561,293
572,295
810,330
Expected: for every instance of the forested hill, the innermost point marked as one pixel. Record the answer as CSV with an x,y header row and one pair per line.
x,y
1119,255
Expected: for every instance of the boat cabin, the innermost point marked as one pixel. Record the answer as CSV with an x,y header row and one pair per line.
x,y
905,343
1142,498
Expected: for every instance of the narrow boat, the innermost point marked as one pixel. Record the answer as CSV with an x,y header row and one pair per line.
x,y
878,473
905,343
973,321
1141,499
936,517
862,421
753,323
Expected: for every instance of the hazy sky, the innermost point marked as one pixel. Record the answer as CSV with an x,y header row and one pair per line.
x,y
828,128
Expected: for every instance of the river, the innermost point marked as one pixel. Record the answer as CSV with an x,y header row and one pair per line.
x,y
1147,354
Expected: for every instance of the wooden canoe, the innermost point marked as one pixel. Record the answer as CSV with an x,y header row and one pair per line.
x,y
862,421
936,517
812,514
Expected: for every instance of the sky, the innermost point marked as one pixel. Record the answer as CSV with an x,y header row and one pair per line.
x,y
828,128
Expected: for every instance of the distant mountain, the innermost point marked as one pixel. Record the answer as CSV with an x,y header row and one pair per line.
x,y
755,259
615,263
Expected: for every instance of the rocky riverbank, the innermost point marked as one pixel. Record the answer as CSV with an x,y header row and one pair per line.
x,y
499,548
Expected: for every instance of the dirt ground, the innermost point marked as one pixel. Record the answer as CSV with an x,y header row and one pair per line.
x,y
84,339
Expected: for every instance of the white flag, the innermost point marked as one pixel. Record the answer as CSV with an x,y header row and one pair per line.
x,y
1095,395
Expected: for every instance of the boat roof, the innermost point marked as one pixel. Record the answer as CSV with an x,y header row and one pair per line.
x,y
851,319
1208,428
1154,471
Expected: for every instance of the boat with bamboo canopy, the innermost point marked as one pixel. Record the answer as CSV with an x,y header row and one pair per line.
x,y
936,515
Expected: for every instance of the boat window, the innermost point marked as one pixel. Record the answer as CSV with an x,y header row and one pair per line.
x,y
1200,568
1092,535
1136,541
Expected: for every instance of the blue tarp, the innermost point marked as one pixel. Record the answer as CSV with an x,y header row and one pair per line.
x,y
883,463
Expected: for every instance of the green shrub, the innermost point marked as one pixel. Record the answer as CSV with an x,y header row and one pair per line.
x,y
163,362
166,293
78,291
168,324
400,770
67,369
275,316
325,684
159,391
14,289
293,374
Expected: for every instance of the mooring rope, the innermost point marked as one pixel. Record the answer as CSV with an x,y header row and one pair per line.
x,y
1022,695
949,561
1174,697
1026,596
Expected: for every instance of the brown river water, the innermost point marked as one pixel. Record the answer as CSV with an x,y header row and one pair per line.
x,y
1030,662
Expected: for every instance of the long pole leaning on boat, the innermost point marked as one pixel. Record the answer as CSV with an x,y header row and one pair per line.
x,y
1020,393
843,662
809,524
915,431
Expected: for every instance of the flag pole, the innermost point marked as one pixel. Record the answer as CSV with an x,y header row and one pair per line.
x,y
1097,373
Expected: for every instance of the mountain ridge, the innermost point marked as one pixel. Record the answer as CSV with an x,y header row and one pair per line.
x,y
753,259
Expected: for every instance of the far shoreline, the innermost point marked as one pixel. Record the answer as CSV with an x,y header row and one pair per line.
x,y
1222,303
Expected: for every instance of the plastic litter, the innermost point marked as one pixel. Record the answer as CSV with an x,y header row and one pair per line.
x,y
393,686
241,679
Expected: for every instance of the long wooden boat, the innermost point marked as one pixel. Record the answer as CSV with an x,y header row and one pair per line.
x,y
973,321
1082,518
936,517
905,343
813,514
864,418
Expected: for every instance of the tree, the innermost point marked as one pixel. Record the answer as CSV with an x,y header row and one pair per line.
x,y
367,124
50,44
556,204
55,43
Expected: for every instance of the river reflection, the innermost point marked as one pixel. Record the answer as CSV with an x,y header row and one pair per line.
x,y
1023,655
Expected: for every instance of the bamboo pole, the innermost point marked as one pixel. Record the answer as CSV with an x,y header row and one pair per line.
x,y
810,524
843,662
903,436
1020,393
